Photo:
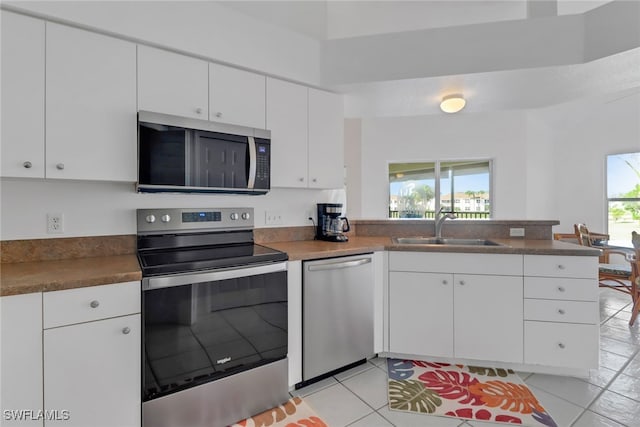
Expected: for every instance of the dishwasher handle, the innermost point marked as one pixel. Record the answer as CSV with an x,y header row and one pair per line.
x,y
339,264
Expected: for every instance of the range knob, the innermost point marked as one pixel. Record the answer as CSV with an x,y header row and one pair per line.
x,y
234,216
150,219
165,218
246,215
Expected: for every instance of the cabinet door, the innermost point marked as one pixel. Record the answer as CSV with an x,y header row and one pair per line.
x,y
93,370
171,83
21,369
90,106
287,120
488,317
22,96
326,140
236,96
421,313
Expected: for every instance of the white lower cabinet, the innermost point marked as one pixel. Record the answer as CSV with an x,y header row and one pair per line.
x,y
21,359
92,370
561,314
561,344
421,313
488,317
436,311
92,365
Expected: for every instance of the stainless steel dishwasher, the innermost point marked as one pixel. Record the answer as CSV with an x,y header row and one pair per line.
x,y
337,325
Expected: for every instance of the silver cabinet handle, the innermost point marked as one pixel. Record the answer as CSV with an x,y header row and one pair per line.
x,y
444,282
218,114
560,267
561,345
301,179
60,166
561,288
462,282
198,110
314,180
561,311
126,330
27,165
94,303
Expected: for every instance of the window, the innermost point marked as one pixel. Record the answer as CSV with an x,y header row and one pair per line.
x,y
623,195
418,190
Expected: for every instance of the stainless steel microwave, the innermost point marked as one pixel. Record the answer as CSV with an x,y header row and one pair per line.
x,y
182,155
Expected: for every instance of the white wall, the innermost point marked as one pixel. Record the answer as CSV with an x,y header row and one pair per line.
x,y
498,136
353,166
106,208
540,169
581,142
198,27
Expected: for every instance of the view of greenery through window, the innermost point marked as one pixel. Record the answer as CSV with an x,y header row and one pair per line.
x,y
623,196
418,190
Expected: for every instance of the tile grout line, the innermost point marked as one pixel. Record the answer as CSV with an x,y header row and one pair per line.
x,y
606,388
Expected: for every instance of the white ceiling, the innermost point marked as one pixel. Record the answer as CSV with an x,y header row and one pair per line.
x,y
595,81
332,19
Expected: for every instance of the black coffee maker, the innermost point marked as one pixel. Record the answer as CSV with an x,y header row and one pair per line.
x,y
331,226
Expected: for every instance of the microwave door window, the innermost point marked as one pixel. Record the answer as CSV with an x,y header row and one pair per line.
x,y
221,162
162,156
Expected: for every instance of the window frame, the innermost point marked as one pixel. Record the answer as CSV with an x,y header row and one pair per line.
x,y
437,176
607,199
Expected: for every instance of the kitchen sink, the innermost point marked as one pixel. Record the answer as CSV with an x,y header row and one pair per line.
x,y
444,241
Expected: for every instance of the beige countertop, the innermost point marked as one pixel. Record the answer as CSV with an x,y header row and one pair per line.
x,y
52,275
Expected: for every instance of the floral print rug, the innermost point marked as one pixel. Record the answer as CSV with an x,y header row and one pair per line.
x,y
293,413
460,391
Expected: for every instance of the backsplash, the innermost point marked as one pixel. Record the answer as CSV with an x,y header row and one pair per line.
x,y
66,248
477,229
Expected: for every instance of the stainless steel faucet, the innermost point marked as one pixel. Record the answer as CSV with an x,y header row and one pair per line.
x,y
440,218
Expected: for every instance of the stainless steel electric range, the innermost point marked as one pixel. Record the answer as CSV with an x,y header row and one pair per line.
x,y
214,318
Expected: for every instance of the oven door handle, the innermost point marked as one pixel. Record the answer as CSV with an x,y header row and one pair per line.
x,y
210,276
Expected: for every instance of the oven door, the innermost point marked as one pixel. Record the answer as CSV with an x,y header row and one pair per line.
x,y
204,326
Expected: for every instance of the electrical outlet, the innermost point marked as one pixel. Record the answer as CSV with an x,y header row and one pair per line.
x,y
55,223
516,232
273,218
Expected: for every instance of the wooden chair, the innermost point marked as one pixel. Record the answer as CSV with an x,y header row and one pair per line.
x,y
620,277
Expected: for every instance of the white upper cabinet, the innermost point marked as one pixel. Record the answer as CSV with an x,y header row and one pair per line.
x,y
326,140
90,106
236,96
171,83
307,136
287,121
22,96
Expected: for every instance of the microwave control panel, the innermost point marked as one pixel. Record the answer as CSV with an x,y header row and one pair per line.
x,y
263,163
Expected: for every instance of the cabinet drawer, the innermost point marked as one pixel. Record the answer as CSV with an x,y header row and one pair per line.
x,y
91,303
463,263
561,344
560,288
561,311
561,266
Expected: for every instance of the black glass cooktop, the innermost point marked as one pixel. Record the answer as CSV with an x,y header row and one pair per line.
x,y
181,260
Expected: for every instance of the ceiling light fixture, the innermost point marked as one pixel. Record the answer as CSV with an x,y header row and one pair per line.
x,y
452,103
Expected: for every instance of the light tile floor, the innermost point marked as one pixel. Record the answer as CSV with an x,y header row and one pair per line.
x,y
609,397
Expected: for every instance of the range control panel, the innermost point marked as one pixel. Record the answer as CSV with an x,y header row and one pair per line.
x,y
177,220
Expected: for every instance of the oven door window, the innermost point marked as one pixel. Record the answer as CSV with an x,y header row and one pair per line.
x,y
205,331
